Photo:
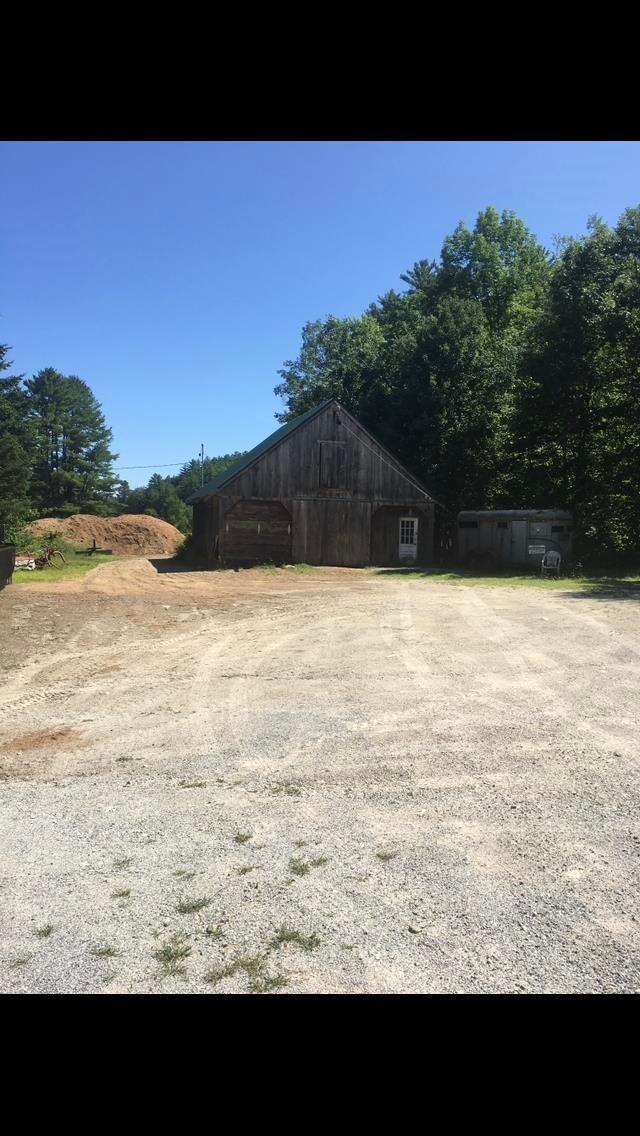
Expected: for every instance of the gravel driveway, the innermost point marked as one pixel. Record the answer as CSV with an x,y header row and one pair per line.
x,y
345,781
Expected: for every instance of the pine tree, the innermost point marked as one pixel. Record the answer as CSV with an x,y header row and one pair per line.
x,y
14,449
72,459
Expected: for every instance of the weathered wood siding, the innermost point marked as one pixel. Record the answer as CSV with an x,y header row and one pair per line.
x,y
331,532
293,468
256,532
317,492
385,533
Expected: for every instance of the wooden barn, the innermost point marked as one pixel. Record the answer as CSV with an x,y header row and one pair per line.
x,y
320,490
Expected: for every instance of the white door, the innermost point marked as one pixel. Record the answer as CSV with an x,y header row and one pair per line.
x,y
408,538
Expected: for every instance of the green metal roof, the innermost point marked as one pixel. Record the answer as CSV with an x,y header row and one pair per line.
x,y
243,463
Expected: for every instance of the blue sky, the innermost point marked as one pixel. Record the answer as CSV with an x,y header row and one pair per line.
x,y
175,277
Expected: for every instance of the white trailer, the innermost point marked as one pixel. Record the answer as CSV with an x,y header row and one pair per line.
x,y
497,538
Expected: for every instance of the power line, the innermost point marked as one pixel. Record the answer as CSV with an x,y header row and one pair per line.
x,y
155,465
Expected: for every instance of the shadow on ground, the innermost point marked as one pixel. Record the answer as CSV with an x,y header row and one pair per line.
x,y
579,588
172,564
606,590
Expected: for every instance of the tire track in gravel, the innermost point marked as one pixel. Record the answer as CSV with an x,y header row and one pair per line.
x,y
328,636
539,671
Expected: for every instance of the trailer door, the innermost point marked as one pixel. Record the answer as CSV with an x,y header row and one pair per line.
x,y
519,532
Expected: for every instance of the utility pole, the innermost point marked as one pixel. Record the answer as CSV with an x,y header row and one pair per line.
x,y
201,464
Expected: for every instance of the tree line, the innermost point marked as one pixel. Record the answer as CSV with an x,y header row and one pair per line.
x,y
56,457
503,375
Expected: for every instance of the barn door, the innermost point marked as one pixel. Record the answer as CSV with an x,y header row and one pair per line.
x,y
256,532
408,545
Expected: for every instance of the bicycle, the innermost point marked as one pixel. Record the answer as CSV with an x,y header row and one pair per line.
x,y
50,557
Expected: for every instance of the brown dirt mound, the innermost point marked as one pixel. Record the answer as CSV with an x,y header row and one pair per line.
x,y
130,535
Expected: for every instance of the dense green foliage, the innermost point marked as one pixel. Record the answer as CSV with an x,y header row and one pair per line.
x,y
14,448
55,458
503,375
70,459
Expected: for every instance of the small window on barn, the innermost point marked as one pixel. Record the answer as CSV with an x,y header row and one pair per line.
x,y
502,525
557,528
333,465
468,524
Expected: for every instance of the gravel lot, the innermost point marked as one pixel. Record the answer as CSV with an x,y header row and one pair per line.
x,y
433,788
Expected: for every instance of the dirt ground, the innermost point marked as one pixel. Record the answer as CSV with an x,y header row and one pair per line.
x,y
341,781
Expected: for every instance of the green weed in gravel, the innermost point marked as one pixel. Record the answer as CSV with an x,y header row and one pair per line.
x,y
190,904
287,787
254,966
171,955
265,983
44,931
298,867
286,934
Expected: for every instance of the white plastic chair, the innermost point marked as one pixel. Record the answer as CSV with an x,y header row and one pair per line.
x,y
550,564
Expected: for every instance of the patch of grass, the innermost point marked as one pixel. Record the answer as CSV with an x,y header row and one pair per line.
x,y
385,855
184,874
120,864
251,965
303,569
189,905
75,566
44,931
522,580
299,843
242,837
288,787
286,934
106,952
120,893
215,974
21,960
171,955
245,869
298,867
121,759
214,932
265,983
192,784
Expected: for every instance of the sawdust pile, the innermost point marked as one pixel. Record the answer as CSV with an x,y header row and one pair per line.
x,y
129,535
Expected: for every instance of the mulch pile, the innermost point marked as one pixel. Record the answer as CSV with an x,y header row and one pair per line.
x,y
129,535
